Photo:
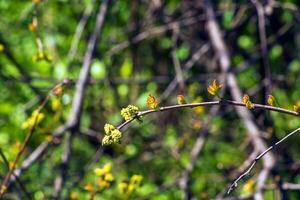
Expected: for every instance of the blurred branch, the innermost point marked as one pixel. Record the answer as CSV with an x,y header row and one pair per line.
x,y
29,161
265,68
188,65
22,186
285,186
27,138
76,111
224,61
195,152
25,77
78,32
153,32
176,62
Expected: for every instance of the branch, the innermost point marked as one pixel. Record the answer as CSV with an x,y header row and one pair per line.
x,y
153,32
210,103
78,32
22,186
75,114
28,137
25,77
224,61
188,65
247,172
265,68
29,161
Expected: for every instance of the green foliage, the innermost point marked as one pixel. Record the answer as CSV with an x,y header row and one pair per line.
x,y
159,149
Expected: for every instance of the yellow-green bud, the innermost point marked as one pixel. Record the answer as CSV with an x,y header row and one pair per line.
x,y
108,128
112,135
136,179
116,136
129,112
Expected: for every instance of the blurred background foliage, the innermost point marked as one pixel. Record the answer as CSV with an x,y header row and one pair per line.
x,y
34,57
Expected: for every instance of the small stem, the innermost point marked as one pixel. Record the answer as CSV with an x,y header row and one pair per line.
x,y
28,137
210,103
251,166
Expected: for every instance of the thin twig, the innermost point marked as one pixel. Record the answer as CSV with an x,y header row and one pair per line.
x,y
22,186
210,103
28,137
247,172
254,132
153,32
76,111
265,68
176,62
25,77
188,65
78,32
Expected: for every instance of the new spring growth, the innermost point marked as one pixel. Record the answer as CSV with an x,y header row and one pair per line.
x,y
181,99
247,102
74,195
104,175
32,26
297,106
3,189
112,135
271,100
89,187
130,112
152,102
2,48
127,188
248,188
214,88
57,90
42,56
36,1
35,116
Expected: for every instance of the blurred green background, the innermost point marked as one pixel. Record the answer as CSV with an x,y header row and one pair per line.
x,y
140,46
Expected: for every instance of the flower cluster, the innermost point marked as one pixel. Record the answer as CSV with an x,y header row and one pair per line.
x,y
152,102
103,180
74,195
247,102
105,176
36,1
248,188
57,90
32,26
35,116
214,88
297,106
89,187
130,112
181,99
2,48
126,188
271,100
40,56
112,135
3,189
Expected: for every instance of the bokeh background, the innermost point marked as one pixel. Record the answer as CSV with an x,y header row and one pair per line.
x,y
158,47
